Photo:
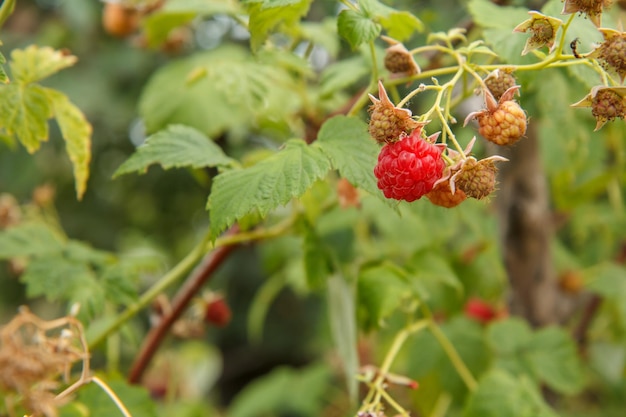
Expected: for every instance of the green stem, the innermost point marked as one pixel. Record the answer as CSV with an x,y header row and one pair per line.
x,y
174,275
454,356
377,388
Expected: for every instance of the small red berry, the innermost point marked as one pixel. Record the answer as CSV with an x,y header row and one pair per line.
x,y
479,310
409,168
217,312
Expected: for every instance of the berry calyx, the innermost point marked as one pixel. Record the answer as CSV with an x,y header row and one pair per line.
x,y
408,169
388,122
502,123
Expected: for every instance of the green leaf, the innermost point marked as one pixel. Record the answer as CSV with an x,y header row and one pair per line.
x,y
500,394
266,185
34,63
76,132
6,10
135,398
433,363
268,15
357,28
24,111
431,269
175,147
175,13
401,25
499,22
556,362
343,327
29,239
351,149
380,292
342,74
58,278
219,90
607,280
322,33
548,355
284,391
4,78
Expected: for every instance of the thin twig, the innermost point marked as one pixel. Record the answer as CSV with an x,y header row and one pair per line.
x,y
191,286
120,405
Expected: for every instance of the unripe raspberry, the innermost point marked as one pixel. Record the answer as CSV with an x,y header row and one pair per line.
x,y
388,122
499,81
119,20
408,169
571,282
502,123
441,195
608,105
477,178
398,60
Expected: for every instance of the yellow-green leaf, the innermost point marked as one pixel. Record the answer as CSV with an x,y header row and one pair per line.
x,y
76,132
24,111
34,63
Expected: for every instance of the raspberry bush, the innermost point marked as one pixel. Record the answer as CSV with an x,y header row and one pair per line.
x,y
281,259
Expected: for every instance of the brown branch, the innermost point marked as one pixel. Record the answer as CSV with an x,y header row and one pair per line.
x,y
581,331
191,286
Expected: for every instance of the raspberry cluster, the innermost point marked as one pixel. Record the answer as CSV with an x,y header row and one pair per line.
x,y
408,169
411,165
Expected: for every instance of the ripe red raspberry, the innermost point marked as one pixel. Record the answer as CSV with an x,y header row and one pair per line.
x,y
388,122
441,195
502,123
409,168
217,312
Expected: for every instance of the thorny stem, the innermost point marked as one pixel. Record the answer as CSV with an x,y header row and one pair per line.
x,y
183,267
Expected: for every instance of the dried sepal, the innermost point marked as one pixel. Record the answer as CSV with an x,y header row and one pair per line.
x,y
607,104
612,52
591,8
543,29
